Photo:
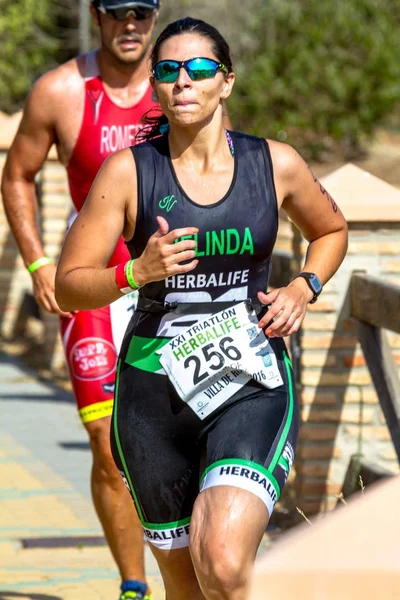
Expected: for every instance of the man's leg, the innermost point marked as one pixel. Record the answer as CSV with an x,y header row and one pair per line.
x,y
114,505
91,356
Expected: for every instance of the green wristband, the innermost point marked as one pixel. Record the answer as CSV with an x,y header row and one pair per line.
x,y
129,275
40,262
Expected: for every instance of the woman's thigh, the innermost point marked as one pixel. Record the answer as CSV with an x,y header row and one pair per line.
x,y
227,527
154,447
252,445
244,472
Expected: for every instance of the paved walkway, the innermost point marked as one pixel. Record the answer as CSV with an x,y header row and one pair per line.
x,y
45,498
51,543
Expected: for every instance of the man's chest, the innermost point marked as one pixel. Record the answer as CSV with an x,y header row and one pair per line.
x,y
94,126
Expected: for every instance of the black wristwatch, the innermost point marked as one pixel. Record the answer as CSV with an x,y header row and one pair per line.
x,y
313,283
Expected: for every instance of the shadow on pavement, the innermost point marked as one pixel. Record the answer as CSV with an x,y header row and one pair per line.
x,y
18,372
74,446
57,397
26,595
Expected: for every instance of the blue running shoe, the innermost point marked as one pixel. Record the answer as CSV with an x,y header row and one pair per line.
x,y
129,595
134,590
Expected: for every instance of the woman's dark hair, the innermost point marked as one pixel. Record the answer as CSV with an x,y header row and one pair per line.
x,y
156,124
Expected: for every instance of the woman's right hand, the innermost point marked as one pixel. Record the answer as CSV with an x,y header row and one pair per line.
x,y
162,256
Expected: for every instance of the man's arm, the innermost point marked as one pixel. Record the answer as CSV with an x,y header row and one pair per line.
x,y
26,156
24,160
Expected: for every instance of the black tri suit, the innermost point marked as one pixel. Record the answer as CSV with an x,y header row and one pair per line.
x,y
164,451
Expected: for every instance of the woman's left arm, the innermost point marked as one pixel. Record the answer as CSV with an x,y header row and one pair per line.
x,y
316,214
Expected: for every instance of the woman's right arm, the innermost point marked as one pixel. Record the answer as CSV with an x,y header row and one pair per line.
x,y
83,281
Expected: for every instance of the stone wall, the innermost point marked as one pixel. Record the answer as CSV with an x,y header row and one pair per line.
x,y
340,410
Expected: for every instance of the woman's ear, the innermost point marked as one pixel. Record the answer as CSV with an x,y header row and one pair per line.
x,y
154,95
153,85
229,80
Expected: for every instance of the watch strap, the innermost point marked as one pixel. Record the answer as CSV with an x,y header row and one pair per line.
x,y
306,275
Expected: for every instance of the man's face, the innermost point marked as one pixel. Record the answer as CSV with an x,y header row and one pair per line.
x,y
129,40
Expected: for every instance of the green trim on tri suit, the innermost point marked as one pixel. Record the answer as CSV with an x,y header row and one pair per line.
x,y
118,442
142,353
288,424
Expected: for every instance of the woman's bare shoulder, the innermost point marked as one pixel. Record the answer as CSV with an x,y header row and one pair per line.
x,y
285,159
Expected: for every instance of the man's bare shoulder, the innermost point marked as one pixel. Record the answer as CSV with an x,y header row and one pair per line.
x,y
64,81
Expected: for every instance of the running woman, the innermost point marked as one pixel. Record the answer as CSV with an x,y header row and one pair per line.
x,y
89,107
205,419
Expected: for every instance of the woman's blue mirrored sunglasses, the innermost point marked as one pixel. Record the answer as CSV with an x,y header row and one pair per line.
x,y
140,13
197,68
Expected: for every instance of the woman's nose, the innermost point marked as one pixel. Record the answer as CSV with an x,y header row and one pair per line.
x,y
183,79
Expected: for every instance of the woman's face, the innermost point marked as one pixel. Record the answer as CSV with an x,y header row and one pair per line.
x,y
188,102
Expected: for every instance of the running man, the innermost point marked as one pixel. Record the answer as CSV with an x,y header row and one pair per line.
x,y
89,107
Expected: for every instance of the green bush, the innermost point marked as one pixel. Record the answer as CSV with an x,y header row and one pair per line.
x,y
27,47
319,74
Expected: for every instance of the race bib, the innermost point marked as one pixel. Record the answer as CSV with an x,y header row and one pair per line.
x,y
121,312
211,360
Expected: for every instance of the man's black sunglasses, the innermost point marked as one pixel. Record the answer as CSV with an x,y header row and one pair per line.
x,y
139,13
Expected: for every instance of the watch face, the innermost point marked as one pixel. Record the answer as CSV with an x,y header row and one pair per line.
x,y
315,283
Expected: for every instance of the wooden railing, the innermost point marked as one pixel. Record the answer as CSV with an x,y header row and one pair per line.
x,y
375,305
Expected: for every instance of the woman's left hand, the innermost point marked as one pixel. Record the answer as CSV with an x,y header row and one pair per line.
x,y
288,306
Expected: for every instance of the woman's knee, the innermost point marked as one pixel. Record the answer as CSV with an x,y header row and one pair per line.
x,y
225,531
220,568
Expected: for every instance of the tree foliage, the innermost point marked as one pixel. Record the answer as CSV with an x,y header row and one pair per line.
x,y
320,74
27,45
